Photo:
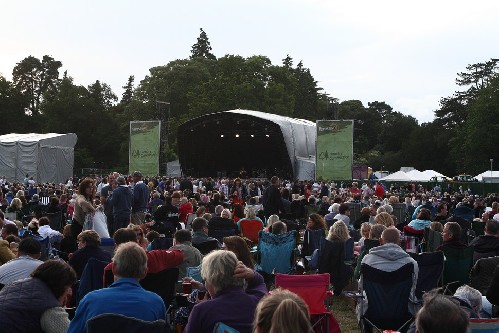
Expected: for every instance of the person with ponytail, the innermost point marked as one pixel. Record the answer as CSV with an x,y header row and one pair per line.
x,y
282,311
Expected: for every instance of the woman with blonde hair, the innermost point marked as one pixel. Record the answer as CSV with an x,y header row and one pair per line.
x,y
16,206
282,311
338,232
385,219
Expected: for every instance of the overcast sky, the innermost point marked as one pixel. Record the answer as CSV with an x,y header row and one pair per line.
x,y
404,53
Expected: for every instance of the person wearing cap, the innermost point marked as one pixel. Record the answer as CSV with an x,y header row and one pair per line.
x,y
140,199
121,200
26,262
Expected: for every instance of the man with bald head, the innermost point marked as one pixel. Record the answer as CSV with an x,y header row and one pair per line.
x,y
389,257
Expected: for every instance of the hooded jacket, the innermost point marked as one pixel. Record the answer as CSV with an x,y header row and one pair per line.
x,y
390,257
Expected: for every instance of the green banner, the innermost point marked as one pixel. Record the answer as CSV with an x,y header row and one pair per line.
x,y
144,147
334,155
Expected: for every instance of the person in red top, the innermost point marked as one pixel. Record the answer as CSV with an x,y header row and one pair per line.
x,y
184,209
379,190
355,189
157,260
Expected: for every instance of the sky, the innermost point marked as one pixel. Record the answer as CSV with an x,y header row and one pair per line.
x,y
406,54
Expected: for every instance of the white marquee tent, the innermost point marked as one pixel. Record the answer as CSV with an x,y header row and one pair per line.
x,y
46,157
488,176
418,176
412,176
399,176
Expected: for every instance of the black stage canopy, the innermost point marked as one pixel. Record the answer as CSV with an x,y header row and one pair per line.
x,y
261,144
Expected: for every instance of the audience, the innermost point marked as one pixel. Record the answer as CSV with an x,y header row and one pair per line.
x,y
282,312
36,304
470,300
440,314
29,252
389,257
88,247
225,279
452,237
125,296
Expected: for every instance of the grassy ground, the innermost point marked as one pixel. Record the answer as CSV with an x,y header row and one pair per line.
x,y
344,312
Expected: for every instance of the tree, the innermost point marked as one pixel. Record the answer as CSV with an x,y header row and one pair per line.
x,y
102,96
12,105
37,80
480,143
202,48
287,62
306,94
126,98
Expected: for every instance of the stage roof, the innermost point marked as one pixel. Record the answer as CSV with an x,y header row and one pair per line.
x,y
263,144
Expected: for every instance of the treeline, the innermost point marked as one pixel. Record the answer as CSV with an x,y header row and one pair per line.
x,y
461,139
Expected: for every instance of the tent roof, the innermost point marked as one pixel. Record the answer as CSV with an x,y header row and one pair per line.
x,y
487,174
287,140
273,117
417,175
399,176
68,140
433,173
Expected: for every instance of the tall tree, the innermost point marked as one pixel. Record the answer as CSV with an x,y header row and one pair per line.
x,y
37,80
202,48
12,106
481,129
128,93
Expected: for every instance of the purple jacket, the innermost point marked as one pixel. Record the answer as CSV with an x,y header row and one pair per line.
x,y
234,307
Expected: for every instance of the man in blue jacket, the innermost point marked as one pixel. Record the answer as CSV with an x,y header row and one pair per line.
x,y
140,199
121,200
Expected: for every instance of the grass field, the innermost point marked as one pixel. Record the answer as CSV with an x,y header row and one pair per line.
x,y
344,312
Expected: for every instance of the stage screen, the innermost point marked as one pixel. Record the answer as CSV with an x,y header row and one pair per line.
x,y
144,147
334,155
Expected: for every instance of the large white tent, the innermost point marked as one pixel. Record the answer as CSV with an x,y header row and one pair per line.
x,y
418,176
399,176
46,157
488,176
413,176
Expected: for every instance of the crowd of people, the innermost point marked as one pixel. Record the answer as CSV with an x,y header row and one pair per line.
x,y
142,213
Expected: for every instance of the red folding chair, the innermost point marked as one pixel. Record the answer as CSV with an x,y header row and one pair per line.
x,y
314,290
250,229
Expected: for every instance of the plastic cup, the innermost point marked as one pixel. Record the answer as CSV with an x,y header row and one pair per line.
x,y
187,287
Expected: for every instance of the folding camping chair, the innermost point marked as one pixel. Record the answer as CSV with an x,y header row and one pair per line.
x,y
206,246
162,283
91,278
220,234
275,253
457,266
433,239
332,261
117,323
482,273
388,298
431,266
314,290
311,241
250,229
484,325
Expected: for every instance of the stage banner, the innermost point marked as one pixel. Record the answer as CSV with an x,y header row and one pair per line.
x,y
334,155
145,139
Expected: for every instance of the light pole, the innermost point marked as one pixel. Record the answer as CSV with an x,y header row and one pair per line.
x,y
491,162
164,133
